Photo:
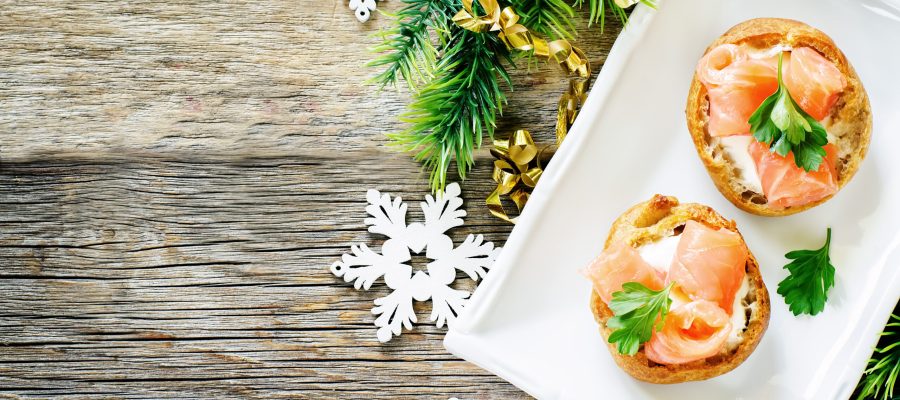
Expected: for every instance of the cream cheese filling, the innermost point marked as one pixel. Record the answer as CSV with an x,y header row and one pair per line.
x,y
737,148
769,52
659,255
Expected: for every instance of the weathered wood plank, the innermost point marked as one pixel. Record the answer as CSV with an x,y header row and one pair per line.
x,y
175,180
196,276
212,77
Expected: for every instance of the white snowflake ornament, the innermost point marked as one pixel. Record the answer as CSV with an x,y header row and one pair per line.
x,y
388,217
363,9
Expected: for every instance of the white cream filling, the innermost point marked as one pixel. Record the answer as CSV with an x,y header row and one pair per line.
x,y
659,255
770,52
737,148
833,130
739,315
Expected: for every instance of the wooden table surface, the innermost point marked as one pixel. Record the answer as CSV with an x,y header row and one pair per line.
x,y
176,179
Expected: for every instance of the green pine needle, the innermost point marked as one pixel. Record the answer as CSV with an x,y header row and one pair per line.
x,y
880,379
407,51
450,114
599,8
456,75
550,19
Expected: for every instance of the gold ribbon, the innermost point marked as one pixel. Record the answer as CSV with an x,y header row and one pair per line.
x,y
517,170
517,36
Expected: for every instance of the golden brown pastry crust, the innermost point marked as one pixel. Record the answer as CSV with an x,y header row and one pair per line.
x,y
657,218
852,112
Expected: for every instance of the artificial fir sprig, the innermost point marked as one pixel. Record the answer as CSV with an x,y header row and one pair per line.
x,y
600,8
455,75
451,113
407,51
552,19
880,378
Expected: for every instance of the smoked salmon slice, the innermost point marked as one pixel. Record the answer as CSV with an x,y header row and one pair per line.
x,y
785,184
738,79
737,85
709,264
692,331
618,264
814,82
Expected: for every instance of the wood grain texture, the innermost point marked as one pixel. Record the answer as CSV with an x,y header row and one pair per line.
x,y
177,177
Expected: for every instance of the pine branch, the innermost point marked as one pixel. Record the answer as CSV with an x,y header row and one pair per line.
x,y
599,8
457,82
407,49
450,114
880,378
551,19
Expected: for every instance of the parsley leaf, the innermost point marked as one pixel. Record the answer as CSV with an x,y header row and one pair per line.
x,y
805,290
780,123
638,311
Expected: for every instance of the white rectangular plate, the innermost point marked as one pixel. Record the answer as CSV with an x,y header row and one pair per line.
x,y
529,321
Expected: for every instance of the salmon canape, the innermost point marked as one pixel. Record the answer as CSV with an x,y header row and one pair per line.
x,y
677,293
778,116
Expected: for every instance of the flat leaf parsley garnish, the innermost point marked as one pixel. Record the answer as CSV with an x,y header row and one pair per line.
x,y
638,311
780,123
805,290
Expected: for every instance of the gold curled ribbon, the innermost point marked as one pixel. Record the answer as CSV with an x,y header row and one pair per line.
x,y
517,36
517,170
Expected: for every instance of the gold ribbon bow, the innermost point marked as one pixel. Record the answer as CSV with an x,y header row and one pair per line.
x,y
517,170
517,36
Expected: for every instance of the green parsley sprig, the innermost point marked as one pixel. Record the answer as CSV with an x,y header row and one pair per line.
x,y
780,123
638,311
811,274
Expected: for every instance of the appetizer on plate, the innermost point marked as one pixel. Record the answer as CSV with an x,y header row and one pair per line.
x,y
778,116
677,293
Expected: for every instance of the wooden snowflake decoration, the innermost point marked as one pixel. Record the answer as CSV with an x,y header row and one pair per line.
x,y
388,217
363,9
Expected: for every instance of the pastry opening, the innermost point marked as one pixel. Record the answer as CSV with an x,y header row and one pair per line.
x,y
660,206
